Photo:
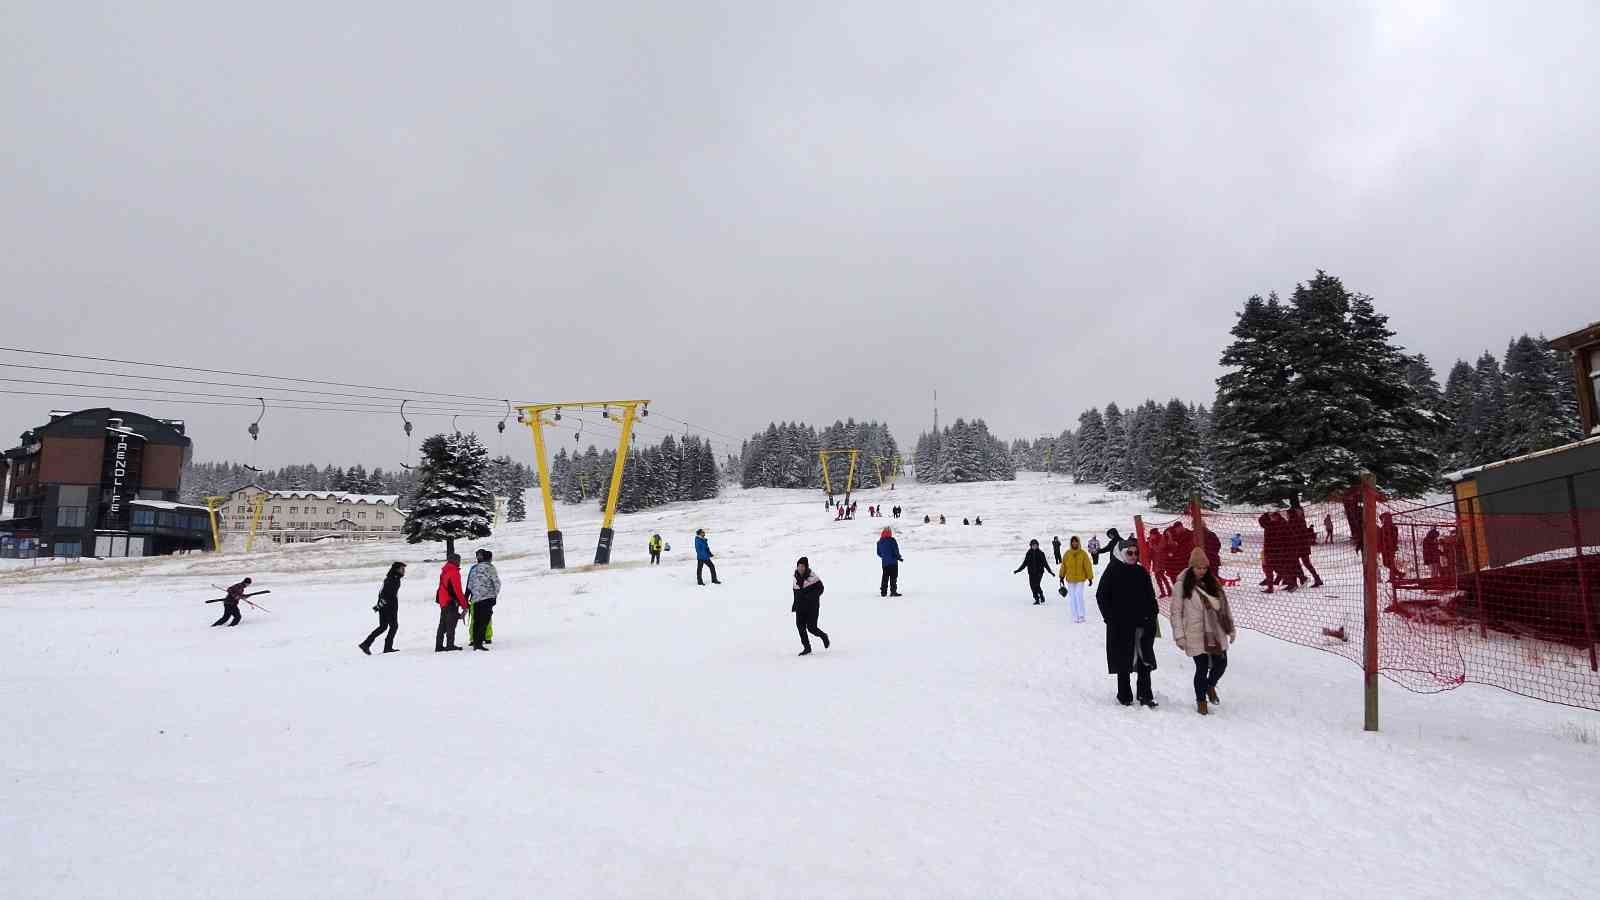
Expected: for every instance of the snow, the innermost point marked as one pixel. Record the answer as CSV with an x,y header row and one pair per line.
x,y
632,734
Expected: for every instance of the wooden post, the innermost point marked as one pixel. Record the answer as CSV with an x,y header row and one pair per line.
x,y
1138,535
1583,577
1369,606
1198,515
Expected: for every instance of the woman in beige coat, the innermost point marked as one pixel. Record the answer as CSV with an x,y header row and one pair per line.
x,y
1202,626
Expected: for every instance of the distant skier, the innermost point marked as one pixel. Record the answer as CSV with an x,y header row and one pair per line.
x,y
452,601
483,589
966,522
926,520
1077,571
1037,564
889,555
702,558
1202,627
1127,602
655,549
388,610
1327,526
978,520
941,518
230,604
1055,548
1236,543
807,605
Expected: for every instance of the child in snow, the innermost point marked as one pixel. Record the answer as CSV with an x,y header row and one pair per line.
x,y
483,589
1037,564
889,555
807,605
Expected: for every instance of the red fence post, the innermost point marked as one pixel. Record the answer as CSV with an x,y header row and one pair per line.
x,y
1369,606
1583,578
1199,525
1138,535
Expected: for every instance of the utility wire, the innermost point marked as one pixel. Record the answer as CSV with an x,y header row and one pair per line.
x,y
213,383
132,362
251,405
424,406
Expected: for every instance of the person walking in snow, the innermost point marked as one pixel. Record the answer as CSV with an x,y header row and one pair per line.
x,y
388,610
1202,627
1155,547
1430,552
483,589
889,555
1127,602
230,604
807,605
1303,537
1327,527
1055,549
702,558
1236,543
1037,564
452,602
1094,547
655,549
1077,571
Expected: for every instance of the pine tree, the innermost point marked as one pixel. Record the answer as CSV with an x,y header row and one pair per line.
x,y
1180,471
1254,458
1089,458
1116,452
517,506
451,501
1486,415
1536,394
1455,446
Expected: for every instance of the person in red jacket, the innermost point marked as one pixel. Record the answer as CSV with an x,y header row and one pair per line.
x,y
452,603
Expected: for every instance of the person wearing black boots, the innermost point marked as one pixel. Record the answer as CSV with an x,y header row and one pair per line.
x,y
230,604
1127,602
1037,564
807,604
1055,548
388,610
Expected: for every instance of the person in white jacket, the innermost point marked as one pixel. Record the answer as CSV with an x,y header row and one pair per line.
x,y
483,589
1202,626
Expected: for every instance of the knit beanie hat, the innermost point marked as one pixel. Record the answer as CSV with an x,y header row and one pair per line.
x,y
1197,557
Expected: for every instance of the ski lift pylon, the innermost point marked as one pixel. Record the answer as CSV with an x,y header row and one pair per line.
x,y
408,433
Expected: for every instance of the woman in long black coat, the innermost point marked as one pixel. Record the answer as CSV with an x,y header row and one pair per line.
x,y
807,604
1127,602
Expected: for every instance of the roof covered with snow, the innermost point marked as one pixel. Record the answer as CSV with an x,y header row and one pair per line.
x,y
167,504
1464,474
335,496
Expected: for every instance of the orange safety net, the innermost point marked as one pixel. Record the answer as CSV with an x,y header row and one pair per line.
x,y
1463,596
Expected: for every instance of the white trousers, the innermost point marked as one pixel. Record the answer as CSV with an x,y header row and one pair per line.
x,y
1075,594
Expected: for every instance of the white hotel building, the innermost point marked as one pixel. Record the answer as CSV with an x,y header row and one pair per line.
x,y
289,517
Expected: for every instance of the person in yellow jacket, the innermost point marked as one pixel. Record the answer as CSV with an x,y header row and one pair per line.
x,y
655,549
1077,570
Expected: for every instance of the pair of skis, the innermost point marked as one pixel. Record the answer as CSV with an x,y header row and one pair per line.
x,y
244,597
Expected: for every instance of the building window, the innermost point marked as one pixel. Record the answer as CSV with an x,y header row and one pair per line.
x,y
69,516
362,514
330,510
69,549
294,509
380,515
144,517
277,509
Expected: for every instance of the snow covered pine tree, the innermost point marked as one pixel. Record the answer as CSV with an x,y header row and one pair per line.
x,y
452,500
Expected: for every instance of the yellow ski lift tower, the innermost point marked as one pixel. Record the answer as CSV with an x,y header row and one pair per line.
x,y
211,507
850,476
532,415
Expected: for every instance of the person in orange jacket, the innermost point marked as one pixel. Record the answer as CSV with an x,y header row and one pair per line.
x,y
452,603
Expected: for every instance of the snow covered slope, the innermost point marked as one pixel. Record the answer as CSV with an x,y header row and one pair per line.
x,y
634,735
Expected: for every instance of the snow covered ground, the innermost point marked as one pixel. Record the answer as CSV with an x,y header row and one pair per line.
x,y
634,735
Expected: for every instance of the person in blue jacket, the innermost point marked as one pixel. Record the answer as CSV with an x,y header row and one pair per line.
x,y
889,554
702,558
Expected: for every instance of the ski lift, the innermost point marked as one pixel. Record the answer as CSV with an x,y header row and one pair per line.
x,y
605,412
502,426
408,433
255,427
453,425
645,411
558,414
579,433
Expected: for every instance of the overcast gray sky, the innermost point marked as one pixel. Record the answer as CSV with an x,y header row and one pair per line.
x,y
755,210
